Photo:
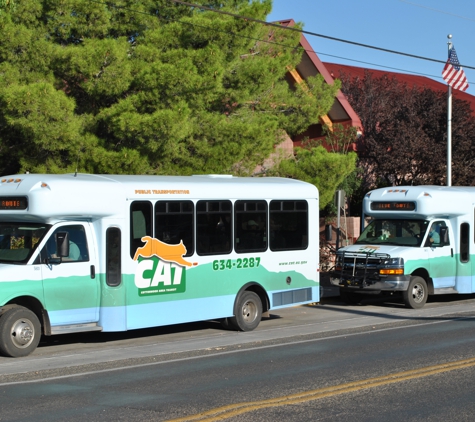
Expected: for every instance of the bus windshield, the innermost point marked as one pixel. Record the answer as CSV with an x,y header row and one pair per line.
x,y
394,232
18,241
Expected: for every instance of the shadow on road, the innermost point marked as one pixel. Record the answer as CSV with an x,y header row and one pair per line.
x,y
98,337
369,307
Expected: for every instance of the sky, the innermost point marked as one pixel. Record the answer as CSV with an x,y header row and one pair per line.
x,y
417,27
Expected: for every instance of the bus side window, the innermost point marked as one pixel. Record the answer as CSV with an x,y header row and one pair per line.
x,y
437,235
78,249
250,226
113,260
140,224
174,223
288,225
464,242
213,227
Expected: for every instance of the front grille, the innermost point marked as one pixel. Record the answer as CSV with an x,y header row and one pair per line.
x,y
359,269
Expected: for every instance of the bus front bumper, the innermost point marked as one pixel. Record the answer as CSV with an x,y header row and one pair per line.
x,y
372,285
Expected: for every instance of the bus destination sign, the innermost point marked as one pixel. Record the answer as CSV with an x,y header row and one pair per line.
x,y
393,206
13,202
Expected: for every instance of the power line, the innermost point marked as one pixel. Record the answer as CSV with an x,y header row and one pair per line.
x,y
276,25
379,65
313,33
437,10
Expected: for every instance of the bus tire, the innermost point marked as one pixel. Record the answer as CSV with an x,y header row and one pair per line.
x,y
416,294
350,298
20,332
247,312
224,322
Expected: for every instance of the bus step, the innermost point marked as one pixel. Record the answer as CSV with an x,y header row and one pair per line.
x,y
75,328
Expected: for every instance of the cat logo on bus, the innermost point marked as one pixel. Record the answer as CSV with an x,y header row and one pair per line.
x,y
169,253
160,268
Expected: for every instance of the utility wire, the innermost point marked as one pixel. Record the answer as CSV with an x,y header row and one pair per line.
x,y
276,25
378,65
437,10
312,33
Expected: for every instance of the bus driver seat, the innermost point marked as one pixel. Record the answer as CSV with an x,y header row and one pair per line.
x,y
74,252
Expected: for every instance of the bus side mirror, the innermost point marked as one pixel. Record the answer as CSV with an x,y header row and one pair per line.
x,y
444,236
62,244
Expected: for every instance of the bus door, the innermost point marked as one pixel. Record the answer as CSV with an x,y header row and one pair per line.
x,y
71,288
464,280
441,255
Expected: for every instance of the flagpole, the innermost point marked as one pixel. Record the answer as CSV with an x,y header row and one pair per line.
x,y
455,77
449,126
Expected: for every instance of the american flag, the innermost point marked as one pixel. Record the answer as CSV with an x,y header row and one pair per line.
x,y
453,73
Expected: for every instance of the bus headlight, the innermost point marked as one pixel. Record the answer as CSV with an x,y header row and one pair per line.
x,y
392,266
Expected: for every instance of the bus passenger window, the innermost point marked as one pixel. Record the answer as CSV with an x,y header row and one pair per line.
x,y
174,223
288,225
113,261
140,224
213,227
251,226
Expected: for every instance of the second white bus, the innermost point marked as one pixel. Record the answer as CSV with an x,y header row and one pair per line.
x,y
419,243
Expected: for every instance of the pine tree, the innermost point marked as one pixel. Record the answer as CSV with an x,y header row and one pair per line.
x,y
147,87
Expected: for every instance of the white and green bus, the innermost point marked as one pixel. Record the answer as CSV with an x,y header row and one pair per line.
x,y
82,252
419,242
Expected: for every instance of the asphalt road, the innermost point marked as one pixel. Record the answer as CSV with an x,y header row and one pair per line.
x,y
377,361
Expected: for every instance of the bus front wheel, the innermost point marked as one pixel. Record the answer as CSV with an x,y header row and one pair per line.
x,y
415,296
20,332
247,312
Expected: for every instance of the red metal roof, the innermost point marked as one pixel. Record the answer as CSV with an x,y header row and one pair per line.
x,y
411,80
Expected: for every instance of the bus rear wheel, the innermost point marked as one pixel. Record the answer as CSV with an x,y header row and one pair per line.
x,y
247,312
20,332
416,294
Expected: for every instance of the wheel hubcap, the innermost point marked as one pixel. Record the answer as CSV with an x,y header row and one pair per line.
x,y
22,333
418,293
249,311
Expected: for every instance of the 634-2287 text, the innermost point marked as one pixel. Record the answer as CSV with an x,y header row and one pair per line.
x,y
240,263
